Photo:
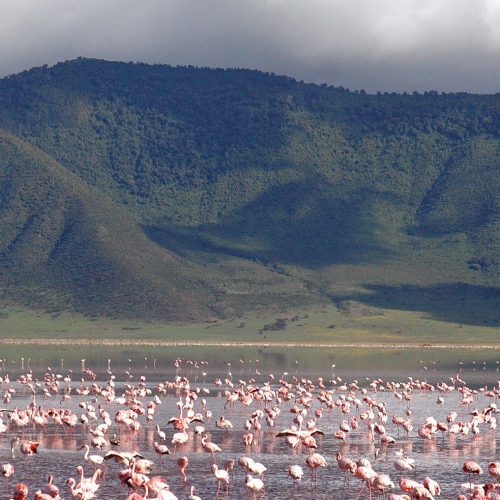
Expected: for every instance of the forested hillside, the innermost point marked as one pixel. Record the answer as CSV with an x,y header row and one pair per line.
x,y
182,193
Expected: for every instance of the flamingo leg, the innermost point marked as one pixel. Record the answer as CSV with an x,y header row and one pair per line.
x,y
361,489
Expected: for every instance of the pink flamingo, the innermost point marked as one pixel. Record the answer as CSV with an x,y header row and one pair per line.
x,y
8,470
87,487
366,474
161,449
404,464
157,484
210,447
20,492
382,482
420,491
50,488
29,448
432,486
192,496
314,461
346,465
136,480
222,476
95,460
296,473
494,470
39,495
255,485
183,463
408,485
179,438
471,467
248,438
257,468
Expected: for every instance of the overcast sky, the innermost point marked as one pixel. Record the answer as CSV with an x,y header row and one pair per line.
x,y
393,45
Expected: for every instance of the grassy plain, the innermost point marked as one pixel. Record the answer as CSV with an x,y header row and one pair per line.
x,y
327,324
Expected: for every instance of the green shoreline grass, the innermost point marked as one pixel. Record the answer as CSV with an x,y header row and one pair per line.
x,y
321,326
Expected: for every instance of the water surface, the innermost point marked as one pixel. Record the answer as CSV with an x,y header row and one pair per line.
x,y
441,458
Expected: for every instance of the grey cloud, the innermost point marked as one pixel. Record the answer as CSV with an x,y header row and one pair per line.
x,y
393,45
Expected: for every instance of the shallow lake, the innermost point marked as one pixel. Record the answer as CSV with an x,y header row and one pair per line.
x,y
441,457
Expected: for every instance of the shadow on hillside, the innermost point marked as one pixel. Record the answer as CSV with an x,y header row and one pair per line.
x,y
454,302
300,223
183,241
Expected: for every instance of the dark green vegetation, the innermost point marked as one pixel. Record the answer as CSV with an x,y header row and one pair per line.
x,y
153,192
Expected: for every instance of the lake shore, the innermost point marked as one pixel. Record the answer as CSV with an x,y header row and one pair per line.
x,y
187,343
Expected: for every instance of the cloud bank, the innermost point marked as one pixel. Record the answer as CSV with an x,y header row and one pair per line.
x,y
387,45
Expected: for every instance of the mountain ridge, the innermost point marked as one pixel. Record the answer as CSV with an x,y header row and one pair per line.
x,y
213,171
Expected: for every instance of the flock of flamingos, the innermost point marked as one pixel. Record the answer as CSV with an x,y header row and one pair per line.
x,y
301,412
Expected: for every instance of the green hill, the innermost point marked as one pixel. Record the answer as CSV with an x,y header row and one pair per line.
x,y
64,242
184,193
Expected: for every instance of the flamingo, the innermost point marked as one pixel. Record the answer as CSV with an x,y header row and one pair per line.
x,y
29,448
248,438
229,466
20,492
314,461
143,465
296,473
95,460
257,468
346,464
50,488
39,495
223,423
8,470
222,476
432,486
179,438
420,491
407,485
210,447
404,464
309,442
192,496
366,474
87,487
183,463
133,479
165,495
246,462
124,458
157,484
160,433
472,467
494,469
161,449
255,485
382,482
